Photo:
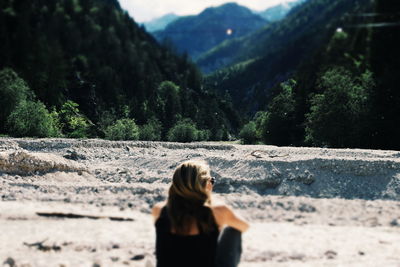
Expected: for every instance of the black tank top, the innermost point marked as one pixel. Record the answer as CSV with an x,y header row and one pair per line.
x,y
174,250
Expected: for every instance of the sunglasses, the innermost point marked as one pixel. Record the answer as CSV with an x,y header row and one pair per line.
x,y
212,180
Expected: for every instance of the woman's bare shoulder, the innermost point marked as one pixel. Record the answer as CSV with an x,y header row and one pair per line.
x,y
221,210
160,205
221,207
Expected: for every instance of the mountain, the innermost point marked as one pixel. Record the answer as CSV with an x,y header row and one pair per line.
x,y
253,46
272,54
278,12
197,34
93,53
326,75
303,30
161,23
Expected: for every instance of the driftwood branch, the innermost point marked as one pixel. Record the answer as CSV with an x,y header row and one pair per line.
x,y
82,216
257,154
40,246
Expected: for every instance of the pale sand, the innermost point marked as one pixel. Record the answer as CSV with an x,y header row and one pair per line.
x,y
307,206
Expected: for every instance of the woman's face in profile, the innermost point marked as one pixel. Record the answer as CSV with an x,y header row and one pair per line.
x,y
210,183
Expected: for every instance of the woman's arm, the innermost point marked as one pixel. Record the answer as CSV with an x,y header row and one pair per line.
x,y
224,215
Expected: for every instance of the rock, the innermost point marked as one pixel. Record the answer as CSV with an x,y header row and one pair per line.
x,y
330,254
138,257
25,163
395,222
73,155
303,207
298,257
10,262
306,178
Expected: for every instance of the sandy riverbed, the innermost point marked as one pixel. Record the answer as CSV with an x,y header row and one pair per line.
x,y
87,202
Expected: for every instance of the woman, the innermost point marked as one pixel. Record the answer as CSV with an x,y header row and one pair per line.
x,y
190,230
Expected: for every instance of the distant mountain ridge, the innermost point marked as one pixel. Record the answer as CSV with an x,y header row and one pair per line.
x,y
197,34
278,12
251,46
159,24
270,14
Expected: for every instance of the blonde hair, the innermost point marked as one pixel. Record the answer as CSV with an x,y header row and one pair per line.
x,y
188,198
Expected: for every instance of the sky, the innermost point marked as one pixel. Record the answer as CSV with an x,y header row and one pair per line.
x,y
145,10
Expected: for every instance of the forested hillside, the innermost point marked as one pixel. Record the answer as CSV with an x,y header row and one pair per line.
x,y
303,31
96,71
197,34
332,82
273,54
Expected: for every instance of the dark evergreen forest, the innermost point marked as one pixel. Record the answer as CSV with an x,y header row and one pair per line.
x,y
91,65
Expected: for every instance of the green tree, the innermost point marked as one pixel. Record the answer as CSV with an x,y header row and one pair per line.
x,y
339,116
151,131
248,134
279,123
260,121
13,90
183,131
169,103
32,119
74,124
203,135
123,129
107,118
